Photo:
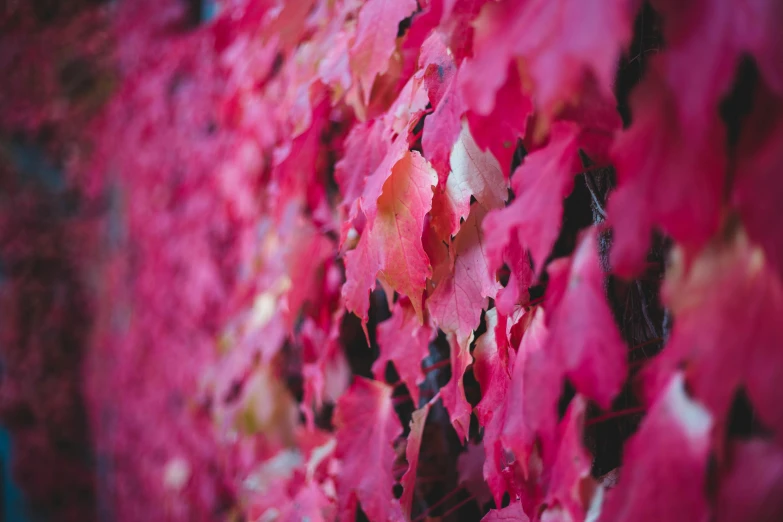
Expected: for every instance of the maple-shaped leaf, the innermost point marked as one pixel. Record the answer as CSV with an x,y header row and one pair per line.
x,y
399,225
557,43
458,300
664,473
365,148
499,128
540,184
375,41
757,185
725,304
473,173
390,247
752,488
511,513
584,342
367,426
376,181
734,28
412,450
405,342
668,177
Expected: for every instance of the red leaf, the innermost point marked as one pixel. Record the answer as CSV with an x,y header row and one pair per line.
x,y
668,176
442,127
310,504
528,407
405,342
412,449
473,173
752,488
390,246
558,43
365,149
498,129
437,68
367,426
541,184
701,77
758,186
725,305
511,513
519,280
584,341
456,303
492,375
665,463
570,467
376,35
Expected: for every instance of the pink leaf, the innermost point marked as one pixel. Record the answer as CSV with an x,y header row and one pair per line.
x,y
499,129
758,185
367,426
584,341
391,246
365,149
701,77
442,127
376,34
405,342
724,303
453,393
668,176
752,488
541,184
511,513
456,303
570,467
529,407
559,45
473,173
664,470
492,375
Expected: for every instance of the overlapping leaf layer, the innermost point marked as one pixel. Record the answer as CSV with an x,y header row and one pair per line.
x,y
299,221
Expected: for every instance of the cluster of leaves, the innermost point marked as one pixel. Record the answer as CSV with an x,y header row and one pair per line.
x,y
321,215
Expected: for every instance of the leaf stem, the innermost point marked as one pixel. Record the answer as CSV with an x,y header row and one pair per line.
x,y
647,343
436,366
614,414
424,514
457,506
